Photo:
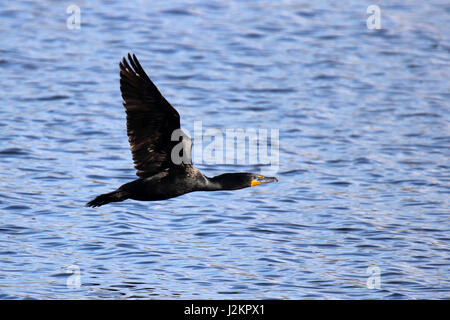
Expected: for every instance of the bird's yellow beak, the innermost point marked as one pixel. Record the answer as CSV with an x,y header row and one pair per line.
x,y
262,180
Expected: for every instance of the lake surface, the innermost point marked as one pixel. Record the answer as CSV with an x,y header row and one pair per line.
x,y
361,209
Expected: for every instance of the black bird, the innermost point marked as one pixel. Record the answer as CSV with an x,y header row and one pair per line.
x,y
151,120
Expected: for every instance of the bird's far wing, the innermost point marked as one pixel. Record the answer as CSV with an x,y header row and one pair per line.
x,y
150,119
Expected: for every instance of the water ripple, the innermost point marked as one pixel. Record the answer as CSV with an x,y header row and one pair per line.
x,y
364,148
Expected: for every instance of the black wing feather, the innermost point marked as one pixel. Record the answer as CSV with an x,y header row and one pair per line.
x,y
150,119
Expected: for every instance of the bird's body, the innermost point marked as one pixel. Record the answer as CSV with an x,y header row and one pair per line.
x,y
151,122
165,185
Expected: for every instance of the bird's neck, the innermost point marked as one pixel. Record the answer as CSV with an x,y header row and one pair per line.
x,y
222,182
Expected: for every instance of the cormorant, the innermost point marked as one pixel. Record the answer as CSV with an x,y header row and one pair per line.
x,y
151,119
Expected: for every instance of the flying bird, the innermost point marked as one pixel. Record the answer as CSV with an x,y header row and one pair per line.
x,y
151,120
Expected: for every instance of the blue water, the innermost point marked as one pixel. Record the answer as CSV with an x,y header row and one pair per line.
x,y
363,117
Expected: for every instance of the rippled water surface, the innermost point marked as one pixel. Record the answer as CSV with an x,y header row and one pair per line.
x,y
363,117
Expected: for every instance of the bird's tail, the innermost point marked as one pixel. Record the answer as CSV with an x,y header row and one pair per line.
x,y
115,196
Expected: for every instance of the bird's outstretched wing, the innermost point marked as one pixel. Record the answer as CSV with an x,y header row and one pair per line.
x,y
151,120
